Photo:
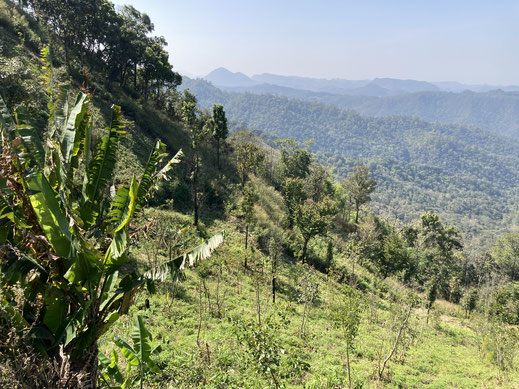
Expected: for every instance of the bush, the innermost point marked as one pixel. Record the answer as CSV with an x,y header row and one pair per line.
x,y
175,189
469,301
504,303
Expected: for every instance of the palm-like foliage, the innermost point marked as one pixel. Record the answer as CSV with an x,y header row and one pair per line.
x,y
139,355
191,258
63,237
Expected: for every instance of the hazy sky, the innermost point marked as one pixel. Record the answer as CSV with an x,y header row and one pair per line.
x,y
433,40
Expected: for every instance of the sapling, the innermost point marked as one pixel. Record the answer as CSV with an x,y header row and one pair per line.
x,y
275,248
346,315
266,352
401,331
502,342
308,295
219,299
250,198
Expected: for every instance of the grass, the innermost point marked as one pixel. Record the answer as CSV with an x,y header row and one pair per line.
x,y
447,353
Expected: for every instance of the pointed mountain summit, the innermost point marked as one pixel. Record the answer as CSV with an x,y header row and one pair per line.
x,y
224,77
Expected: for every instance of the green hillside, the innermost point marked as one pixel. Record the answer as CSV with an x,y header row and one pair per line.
x,y
240,262
497,111
467,175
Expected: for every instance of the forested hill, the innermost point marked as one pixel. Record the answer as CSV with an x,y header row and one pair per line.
x,y
496,110
467,175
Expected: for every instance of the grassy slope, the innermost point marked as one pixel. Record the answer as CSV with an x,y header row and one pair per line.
x,y
449,352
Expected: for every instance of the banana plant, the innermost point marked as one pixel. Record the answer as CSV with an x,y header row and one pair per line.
x,y
139,355
63,235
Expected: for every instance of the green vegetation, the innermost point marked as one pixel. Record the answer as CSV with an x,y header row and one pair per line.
x,y
101,285
360,186
495,110
65,240
466,175
347,316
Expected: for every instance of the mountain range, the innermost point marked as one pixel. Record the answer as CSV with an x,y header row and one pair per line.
x,y
466,174
492,109
379,87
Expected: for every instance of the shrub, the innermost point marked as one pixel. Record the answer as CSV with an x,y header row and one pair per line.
x,y
504,303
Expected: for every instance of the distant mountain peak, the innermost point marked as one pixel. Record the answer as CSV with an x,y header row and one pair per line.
x,y
222,70
224,77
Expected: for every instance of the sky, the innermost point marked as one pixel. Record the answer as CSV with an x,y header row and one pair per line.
x,y
468,41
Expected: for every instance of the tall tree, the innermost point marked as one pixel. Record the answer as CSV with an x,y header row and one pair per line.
x,y
439,244
393,256
156,70
360,186
293,196
196,124
296,159
312,219
219,129
249,157
506,255
67,20
319,183
130,44
250,198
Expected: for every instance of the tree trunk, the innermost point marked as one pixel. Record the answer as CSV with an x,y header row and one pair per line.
x,y
258,302
200,313
348,362
218,153
124,70
302,330
276,384
427,317
290,220
246,235
146,88
82,372
303,255
356,213
273,275
67,55
195,190
273,289
196,210
135,76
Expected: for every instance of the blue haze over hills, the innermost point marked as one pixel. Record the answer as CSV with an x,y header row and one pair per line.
x,y
495,108
453,153
379,87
